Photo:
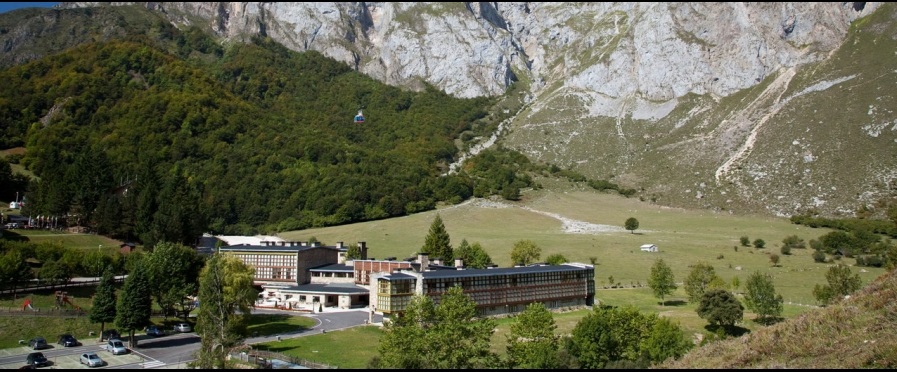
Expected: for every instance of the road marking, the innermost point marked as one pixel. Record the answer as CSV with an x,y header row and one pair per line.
x,y
152,364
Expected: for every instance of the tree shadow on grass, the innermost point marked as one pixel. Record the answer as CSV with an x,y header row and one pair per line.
x,y
14,236
672,303
270,324
768,321
728,330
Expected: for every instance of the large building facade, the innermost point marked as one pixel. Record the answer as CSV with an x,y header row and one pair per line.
x,y
311,277
495,291
302,275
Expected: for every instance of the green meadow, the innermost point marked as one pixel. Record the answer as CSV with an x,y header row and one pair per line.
x,y
684,237
64,239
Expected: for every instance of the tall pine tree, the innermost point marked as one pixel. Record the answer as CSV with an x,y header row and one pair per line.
x,y
135,305
103,310
437,244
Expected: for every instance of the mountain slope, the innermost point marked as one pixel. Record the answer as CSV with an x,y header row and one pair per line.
x,y
747,107
856,332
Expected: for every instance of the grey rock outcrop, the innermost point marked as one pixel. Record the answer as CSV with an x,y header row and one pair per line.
x,y
657,51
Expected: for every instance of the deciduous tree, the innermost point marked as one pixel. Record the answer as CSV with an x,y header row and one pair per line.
x,y
631,224
698,281
610,335
173,270
665,340
841,282
720,307
661,280
761,297
474,256
532,343
448,335
226,295
556,259
525,252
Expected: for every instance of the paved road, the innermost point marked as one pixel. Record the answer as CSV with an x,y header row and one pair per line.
x,y
179,348
176,349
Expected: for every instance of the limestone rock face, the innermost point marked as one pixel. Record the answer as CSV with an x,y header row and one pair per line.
x,y
658,51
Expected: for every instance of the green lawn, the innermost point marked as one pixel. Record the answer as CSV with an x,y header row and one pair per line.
x,y
65,239
351,348
270,324
684,237
15,328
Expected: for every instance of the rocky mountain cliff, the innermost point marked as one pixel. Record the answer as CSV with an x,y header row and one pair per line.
x,y
729,106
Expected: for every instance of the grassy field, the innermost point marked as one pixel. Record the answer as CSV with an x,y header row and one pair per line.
x,y
351,348
68,240
684,237
271,324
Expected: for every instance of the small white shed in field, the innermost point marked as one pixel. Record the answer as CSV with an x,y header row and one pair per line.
x,y
649,248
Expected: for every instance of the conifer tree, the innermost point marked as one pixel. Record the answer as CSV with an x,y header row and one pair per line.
x,y
135,305
437,243
103,310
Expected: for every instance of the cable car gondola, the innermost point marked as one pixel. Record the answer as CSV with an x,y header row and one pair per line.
x,y
359,118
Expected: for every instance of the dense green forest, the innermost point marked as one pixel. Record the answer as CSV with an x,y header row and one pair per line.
x,y
248,138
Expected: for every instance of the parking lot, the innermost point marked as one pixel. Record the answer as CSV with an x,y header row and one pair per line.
x,y
67,358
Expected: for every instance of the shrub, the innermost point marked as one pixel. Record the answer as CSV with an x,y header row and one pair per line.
x,y
870,260
786,250
794,241
819,256
745,241
759,243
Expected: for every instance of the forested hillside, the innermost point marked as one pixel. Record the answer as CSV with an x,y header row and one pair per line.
x,y
232,139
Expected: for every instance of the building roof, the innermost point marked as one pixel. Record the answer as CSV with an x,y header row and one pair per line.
x,y
335,288
467,273
334,268
274,248
248,240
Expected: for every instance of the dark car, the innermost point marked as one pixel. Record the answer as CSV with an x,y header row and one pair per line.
x,y
38,343
68,340
154,331
110,334
37,360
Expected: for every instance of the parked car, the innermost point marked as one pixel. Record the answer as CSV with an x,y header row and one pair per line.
x,y
68,340
154,331
115,346
110,334
91,360
38,343
183,328
37,360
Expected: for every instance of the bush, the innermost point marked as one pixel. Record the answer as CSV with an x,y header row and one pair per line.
x,y
873,260
819,256
759,243
745,241
786,250
794,241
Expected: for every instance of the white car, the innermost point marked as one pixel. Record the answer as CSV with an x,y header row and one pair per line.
x,y
115,346
91,360
183,328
